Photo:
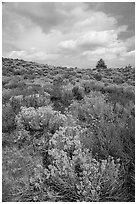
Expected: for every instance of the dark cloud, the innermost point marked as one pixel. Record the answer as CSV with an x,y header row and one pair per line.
x,y
124,12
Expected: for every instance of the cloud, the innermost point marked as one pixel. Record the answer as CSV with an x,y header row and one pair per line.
x,y
68,45
39,13
32,54
98,21
93,40
76,34
130,43
129,54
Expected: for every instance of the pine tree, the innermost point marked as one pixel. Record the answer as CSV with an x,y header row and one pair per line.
x,y
101,64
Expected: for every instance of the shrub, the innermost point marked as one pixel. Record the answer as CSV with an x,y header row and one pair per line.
x,y
57,120
131,82
8,139
122,94
39,119
78,92
19,169
118,80
67,95
34,100
99,86
5,80
98,77
57,87
129,91
8,118
86,77
111,130
48,87
17,71
26,76
86,84
30,118
15,103
6,95
74,172
109,124
12,84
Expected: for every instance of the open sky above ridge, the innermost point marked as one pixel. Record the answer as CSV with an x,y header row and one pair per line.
x,y
70,34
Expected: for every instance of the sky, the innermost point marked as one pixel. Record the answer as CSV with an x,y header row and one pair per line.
x,y
70,33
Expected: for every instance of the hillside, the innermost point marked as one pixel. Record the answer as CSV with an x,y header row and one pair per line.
x,y
21,67
68,134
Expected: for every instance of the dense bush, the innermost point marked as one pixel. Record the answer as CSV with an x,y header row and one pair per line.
x,y
111,126
77,175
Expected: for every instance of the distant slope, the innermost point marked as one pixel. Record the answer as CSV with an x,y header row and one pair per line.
x,y
21,67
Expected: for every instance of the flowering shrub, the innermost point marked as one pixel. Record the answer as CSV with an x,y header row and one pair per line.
x,y
75,169
22,138
37,100
38,119
33,118
34,100
55,121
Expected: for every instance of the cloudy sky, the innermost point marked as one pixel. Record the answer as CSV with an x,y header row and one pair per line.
x,y
70,34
